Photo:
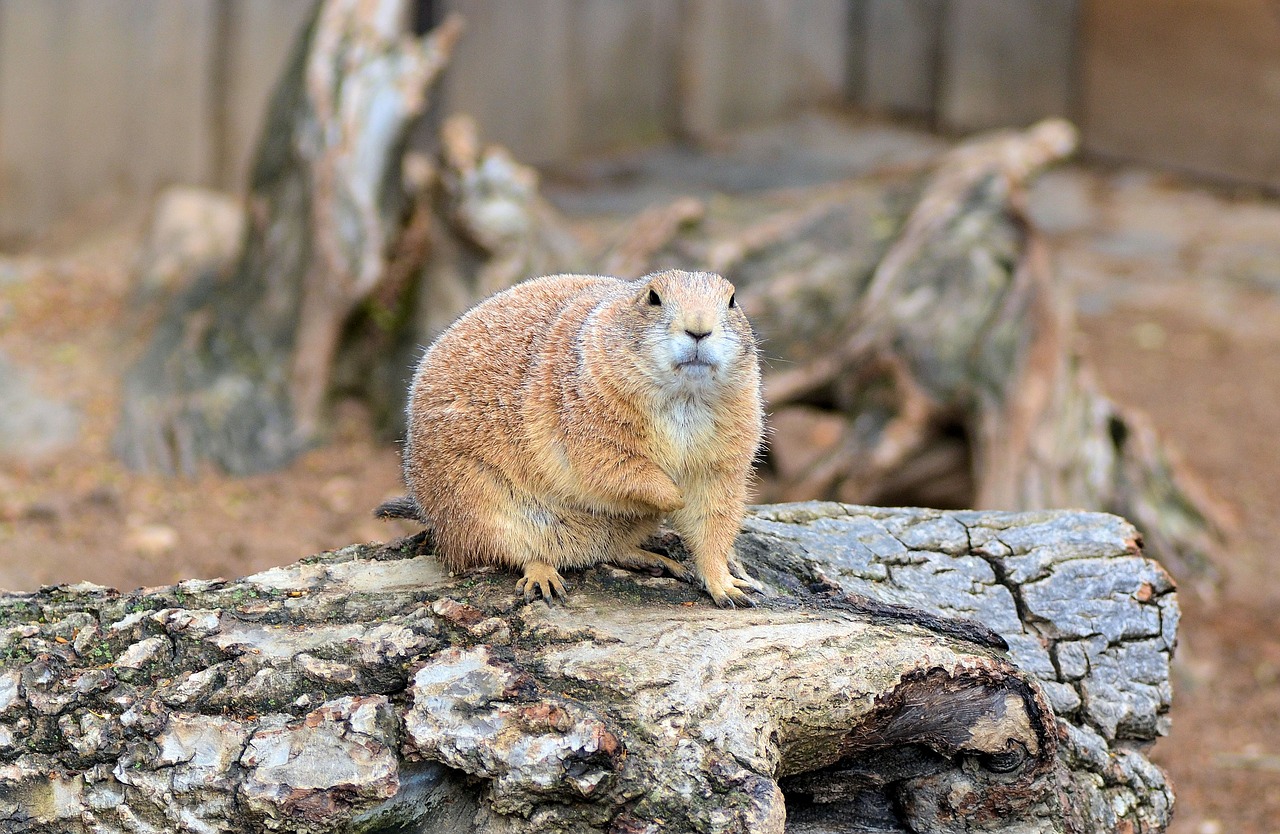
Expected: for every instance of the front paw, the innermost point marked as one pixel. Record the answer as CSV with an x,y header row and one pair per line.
x,y
730,591
667,501
540,577
657,490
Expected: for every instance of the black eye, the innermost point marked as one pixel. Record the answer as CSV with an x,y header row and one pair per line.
x,y
733,299
654,300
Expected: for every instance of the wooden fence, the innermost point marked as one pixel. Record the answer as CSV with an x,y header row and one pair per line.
x,y
110,97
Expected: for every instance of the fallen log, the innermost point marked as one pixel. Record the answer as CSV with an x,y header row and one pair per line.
x,y
367,689
917,348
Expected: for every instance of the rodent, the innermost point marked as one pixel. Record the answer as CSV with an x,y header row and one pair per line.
x,y
555,424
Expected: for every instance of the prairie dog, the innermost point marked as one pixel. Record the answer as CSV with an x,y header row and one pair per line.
x,y
555,424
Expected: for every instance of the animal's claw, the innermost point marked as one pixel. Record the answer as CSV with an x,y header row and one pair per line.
x,y
739,572
728,592
543,579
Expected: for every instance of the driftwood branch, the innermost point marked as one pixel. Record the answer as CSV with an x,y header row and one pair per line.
x,y
919,352
369,690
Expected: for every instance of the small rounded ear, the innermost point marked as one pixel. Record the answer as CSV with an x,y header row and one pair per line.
x,y
654,300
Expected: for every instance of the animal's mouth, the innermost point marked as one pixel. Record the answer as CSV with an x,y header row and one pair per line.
x,y
695,363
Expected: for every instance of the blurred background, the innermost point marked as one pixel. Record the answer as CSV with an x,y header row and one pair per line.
x,y
1165,231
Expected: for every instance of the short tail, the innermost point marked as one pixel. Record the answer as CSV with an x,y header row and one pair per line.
x,y
402,507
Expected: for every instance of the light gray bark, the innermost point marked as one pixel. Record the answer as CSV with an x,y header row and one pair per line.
x,y
369,690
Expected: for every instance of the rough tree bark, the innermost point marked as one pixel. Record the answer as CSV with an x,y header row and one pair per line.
x,y
368,690
238,369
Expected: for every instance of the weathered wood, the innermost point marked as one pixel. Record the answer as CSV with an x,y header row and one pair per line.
x,y
922,338
1149,67
915,338
480,224
493,228
1006,62
238,371
367,690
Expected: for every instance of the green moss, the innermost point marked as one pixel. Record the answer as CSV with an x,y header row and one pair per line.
x,y
17,654
18,611
101,654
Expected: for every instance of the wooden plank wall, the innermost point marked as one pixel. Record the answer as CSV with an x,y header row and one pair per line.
x,y
899,56
1006,62
110,97
963,65
566,77
1193,84
102,98
595,74
259,39
99,94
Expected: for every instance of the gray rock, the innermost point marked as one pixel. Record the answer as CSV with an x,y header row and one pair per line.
x,y
193,232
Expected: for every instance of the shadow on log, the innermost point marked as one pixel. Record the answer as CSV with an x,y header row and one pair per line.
x,y
369,690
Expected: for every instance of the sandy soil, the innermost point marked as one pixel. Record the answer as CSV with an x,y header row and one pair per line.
x,y
1179,297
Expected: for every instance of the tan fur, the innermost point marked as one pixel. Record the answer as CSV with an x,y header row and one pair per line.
x,y
553,426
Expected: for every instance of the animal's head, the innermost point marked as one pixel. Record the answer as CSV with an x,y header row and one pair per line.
x,y
692,333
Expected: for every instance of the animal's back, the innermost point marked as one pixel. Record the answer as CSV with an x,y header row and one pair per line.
x,y
482,361
467,436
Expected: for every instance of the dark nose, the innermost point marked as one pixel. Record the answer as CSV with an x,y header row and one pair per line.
x,y
698,337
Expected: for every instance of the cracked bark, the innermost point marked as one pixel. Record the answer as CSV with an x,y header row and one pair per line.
x,y
368,690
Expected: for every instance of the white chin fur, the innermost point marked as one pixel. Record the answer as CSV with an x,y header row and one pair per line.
x,y
696,370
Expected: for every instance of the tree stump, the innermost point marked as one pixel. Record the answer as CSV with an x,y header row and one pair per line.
x,y
369,690
239,367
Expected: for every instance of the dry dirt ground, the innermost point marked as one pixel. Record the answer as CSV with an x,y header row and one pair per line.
x,y
1178,291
